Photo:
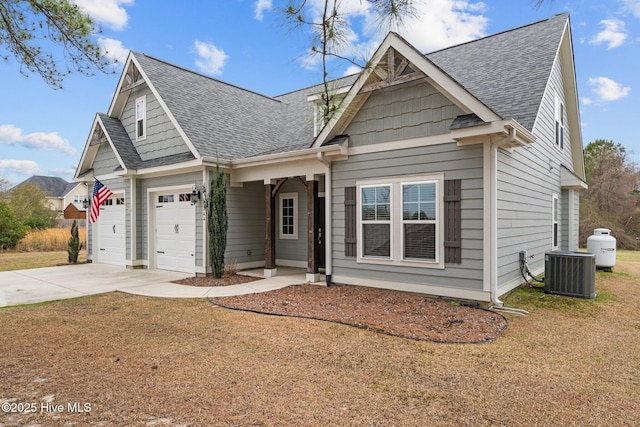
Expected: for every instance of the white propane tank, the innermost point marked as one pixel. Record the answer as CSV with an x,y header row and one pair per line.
x,y
603,245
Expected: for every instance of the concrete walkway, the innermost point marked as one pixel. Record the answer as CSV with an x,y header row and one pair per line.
x,y
72,281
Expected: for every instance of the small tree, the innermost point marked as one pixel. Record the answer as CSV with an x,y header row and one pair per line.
x,y
31,207
11,230
75,246
216,209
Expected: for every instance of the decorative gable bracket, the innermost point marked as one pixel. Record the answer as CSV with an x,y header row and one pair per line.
x,y
395,71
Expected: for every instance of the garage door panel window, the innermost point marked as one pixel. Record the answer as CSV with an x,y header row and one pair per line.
x,y
400,221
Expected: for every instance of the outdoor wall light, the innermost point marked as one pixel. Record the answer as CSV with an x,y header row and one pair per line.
x,y
85,204
196,194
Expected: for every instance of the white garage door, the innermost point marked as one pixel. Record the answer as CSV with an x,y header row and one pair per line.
x,y
175,232
111,232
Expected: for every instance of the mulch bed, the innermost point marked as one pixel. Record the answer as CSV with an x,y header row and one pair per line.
x,y
385,311
235,279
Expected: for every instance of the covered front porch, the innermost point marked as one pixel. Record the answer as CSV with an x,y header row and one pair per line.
x,y
292,212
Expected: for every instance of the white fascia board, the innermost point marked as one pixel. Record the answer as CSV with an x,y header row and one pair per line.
x,y
514,133
569,180
289,156
116,94
87,145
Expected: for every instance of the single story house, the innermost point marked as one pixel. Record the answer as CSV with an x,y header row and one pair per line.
x,y
436,172
66,198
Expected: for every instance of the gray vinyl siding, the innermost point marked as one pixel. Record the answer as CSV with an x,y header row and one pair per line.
x,y
246,232
405,111
464,163
162,138
527,179
106,161
293,249
187,180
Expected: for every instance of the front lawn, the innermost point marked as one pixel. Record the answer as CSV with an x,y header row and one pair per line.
x,y
143,361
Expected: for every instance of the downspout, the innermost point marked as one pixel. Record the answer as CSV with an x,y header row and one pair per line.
x,y
328,234
493,150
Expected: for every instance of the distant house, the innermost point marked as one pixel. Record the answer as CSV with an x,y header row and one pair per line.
x,y
66,198
436,172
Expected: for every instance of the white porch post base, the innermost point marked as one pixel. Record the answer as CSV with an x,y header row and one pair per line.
x,y
270,272
313,277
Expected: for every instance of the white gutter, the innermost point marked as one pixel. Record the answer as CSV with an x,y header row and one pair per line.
x,y
328,235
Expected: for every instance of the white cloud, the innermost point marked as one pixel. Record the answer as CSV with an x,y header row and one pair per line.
x,y
107,12
587,101
260,8
444,23
113,50
438,24
40,141
210,60
607,90
23,167
614,34
632,6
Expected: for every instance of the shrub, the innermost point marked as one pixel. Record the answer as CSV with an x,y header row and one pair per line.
x,y
11,231
74,244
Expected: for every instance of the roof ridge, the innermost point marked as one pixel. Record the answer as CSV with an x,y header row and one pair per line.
x,y
203,75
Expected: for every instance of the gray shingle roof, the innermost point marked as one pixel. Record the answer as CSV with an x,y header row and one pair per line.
x,y
51,186
120,139
221,120
508,71
127,151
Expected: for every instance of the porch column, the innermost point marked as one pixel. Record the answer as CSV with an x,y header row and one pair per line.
x,y
270,269
312,231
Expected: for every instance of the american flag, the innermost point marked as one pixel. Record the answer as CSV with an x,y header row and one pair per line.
x,y
100,194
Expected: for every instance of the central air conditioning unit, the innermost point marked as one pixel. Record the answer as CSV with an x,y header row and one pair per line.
x,y
570,273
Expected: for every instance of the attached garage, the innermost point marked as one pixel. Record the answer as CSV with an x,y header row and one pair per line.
x,y
110,248
174,231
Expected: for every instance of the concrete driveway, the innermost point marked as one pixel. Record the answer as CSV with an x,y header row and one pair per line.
x,y
72,281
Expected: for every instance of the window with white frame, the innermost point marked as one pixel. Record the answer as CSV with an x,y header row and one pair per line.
x,y
376,221
288,203
78,199
141,117
559,123
419,221
400,221
554,221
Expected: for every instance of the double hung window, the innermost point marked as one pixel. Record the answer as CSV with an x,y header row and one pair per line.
x,y
400,221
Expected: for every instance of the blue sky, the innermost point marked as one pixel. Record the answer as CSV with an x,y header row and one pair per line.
x,y
243,42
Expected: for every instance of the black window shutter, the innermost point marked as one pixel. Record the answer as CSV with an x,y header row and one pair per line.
x,y
453,221
350,223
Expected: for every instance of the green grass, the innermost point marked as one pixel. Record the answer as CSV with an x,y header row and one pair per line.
x,y
26,260
534,298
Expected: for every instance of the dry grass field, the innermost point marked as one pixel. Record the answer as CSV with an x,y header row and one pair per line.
x,y
140,361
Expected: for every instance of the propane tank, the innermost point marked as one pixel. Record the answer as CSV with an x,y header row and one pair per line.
x,y
603,245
